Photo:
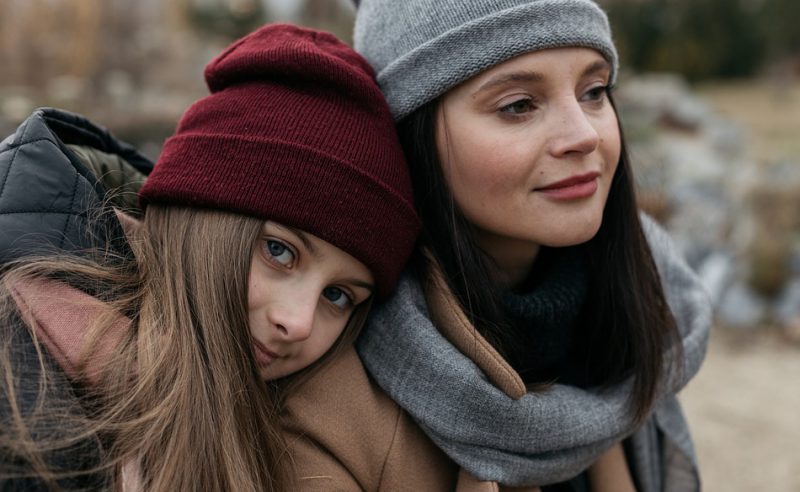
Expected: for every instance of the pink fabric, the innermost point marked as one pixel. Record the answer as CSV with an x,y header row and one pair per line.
x,y
60,317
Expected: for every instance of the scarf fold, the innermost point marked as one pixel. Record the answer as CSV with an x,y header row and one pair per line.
x,y
60,316
473,406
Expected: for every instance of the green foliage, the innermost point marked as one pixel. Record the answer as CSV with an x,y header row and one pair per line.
x,y
225,18
779,19
704,39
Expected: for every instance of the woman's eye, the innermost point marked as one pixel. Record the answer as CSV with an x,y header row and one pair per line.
x,y
337,297
518,107
280,252
597,93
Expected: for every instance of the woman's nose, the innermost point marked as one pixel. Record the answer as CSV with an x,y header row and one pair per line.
x,y
573,131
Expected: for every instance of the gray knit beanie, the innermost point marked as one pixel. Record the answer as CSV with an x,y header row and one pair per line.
x,y
422,48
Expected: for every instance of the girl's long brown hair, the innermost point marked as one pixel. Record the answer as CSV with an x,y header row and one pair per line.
x,y
180,397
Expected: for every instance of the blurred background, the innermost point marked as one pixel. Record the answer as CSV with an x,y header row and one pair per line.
x,y
710,98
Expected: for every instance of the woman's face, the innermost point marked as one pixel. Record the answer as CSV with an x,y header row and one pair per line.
x,y
301,293
529,148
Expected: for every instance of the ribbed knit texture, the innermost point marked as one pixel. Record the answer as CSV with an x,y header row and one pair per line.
x,y
545,317
296,131
422,48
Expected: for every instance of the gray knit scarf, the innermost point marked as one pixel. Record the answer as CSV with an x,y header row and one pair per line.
x,y
545,437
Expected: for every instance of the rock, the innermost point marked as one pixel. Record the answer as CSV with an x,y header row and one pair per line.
x,y
741,308
715,272
787,306
791,330
16,107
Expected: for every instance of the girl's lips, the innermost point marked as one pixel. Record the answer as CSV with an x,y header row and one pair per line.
x,y
572,188
263,356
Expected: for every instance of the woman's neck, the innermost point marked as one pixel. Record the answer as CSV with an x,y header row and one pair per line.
x,y
512,260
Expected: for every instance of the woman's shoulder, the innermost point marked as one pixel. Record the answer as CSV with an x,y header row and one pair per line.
x,y
345,432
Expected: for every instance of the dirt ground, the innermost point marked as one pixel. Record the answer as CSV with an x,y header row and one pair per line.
x,y
744,405
744,412
768,110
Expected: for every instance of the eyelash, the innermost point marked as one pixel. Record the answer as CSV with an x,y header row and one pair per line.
x,y
349,297
272,258
598,93
507,110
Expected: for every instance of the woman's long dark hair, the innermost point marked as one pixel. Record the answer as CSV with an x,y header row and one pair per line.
x,y
628,326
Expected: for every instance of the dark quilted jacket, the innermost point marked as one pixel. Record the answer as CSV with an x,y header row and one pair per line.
x,y
48,190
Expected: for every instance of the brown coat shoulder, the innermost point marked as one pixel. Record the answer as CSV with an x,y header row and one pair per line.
x,y
345,433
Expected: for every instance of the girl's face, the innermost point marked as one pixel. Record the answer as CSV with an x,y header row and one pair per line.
x,y
301,293
529,148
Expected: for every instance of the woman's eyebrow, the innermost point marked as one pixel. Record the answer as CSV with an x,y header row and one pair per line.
x,y
595,67
509,77
526,76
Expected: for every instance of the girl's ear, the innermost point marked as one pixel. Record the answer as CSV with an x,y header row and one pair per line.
x,y
130,224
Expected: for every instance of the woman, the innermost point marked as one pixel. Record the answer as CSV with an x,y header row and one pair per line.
x,y
543,333
140,362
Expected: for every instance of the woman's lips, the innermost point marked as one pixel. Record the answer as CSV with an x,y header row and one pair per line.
x,y
263,356
572,188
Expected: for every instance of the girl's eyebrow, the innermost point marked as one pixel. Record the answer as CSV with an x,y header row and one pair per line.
x,y
300,235
504,78
304,239
360,283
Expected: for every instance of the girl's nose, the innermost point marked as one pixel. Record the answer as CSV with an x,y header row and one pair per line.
x,y
573,131
293,320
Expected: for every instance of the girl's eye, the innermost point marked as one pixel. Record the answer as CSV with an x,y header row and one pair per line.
x,y
596,94
280,253
521,106
337,297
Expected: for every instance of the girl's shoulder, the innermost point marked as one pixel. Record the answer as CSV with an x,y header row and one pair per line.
x,y
345,433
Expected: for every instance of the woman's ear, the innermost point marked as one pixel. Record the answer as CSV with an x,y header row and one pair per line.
x,y
130,224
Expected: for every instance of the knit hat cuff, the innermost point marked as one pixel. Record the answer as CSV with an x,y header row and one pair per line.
x,y
487,41
303,178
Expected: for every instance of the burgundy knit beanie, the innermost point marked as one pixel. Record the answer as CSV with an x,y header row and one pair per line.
x,y
296,131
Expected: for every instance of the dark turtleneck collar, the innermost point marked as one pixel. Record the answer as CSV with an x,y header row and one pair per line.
x,y
545,313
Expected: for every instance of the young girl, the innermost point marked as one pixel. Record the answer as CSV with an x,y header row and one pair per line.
x,y
546,326
276,212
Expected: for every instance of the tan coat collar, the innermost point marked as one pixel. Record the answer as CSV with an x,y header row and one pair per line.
x,y
452,323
